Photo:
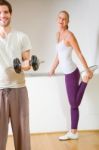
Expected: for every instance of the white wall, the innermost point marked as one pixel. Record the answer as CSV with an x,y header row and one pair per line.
x,y
49,109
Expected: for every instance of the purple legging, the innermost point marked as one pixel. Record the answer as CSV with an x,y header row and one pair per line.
x,y
75,91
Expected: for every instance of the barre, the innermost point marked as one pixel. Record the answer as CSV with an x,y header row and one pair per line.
x,y
93,68
31,74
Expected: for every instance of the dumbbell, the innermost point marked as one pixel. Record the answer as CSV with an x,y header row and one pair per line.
x,y
34,62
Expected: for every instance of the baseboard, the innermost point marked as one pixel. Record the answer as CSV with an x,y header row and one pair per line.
x,y
58,132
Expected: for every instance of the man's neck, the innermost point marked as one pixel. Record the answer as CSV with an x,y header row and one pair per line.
x,y
4,31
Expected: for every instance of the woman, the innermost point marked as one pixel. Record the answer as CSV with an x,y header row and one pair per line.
x,y
66,43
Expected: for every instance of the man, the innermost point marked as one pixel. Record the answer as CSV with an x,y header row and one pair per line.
x,y
13,93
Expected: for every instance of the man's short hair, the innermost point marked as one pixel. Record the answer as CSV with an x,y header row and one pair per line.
x,y
6,3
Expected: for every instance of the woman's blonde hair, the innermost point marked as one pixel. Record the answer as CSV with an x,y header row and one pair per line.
x,y
67,16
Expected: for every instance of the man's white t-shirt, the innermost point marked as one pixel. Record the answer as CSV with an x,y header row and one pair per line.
x,y
12,46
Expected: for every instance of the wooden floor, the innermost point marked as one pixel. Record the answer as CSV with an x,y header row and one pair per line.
x,y
88,140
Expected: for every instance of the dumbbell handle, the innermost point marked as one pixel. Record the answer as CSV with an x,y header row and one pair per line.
x,y
30,63
34,63
40,62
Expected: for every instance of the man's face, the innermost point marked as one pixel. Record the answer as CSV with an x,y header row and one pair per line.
x,y
5,16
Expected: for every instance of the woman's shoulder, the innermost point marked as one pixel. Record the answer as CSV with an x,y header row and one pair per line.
x,y
57,36
69,33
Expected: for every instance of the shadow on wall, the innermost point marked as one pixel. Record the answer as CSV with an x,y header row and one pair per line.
x,y
64,104
97,49
93,86
93,94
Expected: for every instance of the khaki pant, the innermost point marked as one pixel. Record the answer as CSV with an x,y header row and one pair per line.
x,y
14,107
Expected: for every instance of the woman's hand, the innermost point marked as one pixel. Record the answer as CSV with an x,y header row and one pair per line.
x,y
90,73
51,72
87,75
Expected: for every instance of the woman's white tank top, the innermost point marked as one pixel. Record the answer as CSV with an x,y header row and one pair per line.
x,y
65,57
